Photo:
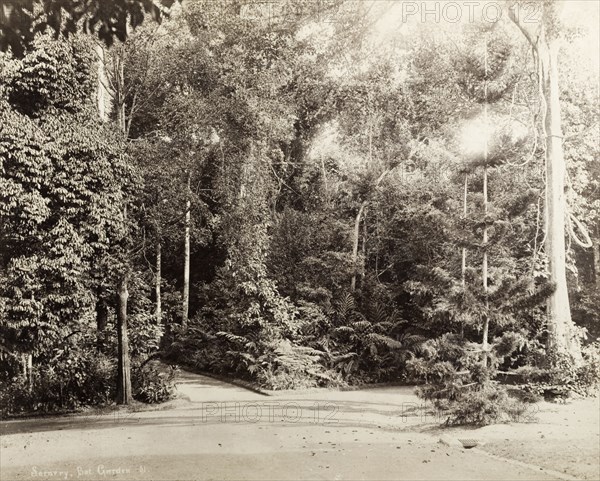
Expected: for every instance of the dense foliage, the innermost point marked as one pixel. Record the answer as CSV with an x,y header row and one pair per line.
x,y
321,187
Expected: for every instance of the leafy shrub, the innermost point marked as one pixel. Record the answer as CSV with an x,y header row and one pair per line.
x,y
564,379
73,379
248,330
488,405
588,375
371,345
460,386
74,374
144,334
272,363
15,396
437,359
153,385
287,366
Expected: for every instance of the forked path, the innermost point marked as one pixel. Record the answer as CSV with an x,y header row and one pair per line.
x,y
220,431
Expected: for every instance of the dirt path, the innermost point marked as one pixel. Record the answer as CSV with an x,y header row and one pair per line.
x,y
227,432
561,437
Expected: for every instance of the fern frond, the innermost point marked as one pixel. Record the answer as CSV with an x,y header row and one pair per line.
x,y
233,338
362,325
383,340
344,330
345,305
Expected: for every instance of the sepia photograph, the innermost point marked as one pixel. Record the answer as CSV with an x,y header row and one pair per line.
x,y
299,240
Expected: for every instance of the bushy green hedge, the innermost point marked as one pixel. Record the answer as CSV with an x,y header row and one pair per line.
x,y
76,372
73,380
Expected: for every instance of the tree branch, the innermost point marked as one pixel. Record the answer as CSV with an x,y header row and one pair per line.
x,y
528,35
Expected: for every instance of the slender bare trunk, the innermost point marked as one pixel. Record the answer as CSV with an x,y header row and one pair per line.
x,y
157,284
486,319
596,247
124,395
186,260
370,142
120,95
27,366
359,215
24,365
355,241
364,242
463,269
102,94
30,371
325,184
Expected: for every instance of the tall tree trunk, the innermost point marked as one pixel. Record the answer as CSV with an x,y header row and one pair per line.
x,y
325,183
356,235
30,371
596,247
103,96
186,260
27,366
124,395
120,95
117,95
561,335
364,243
157,284
486,318
463,267
24,365
561,330
355,242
